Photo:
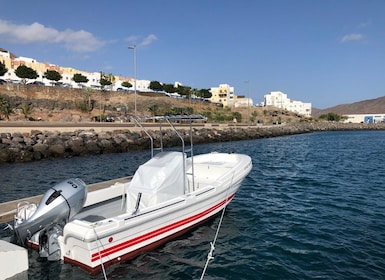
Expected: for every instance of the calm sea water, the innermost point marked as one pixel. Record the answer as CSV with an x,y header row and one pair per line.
x,y
312,207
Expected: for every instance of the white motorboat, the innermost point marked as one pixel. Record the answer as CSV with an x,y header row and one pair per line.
x,y
167,196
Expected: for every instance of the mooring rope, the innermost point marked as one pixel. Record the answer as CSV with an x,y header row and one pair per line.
x,y
100,255
212,244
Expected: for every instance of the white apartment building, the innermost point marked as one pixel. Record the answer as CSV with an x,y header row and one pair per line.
x,y
141,85
279,99
365,118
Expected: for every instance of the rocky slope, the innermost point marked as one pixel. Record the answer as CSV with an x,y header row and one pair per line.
x,y
371,106
56,104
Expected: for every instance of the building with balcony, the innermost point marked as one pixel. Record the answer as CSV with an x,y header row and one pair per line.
x,y
224,94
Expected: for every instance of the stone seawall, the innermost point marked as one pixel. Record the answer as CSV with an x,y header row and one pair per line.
x,y
37,144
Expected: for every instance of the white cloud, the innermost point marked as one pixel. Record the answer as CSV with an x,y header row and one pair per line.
x,y
365,24
80,41
142,41
132,39
148,40
351,37
77,41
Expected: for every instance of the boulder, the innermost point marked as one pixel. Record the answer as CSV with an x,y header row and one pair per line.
x,y
92,147
56,150
76,145
42,149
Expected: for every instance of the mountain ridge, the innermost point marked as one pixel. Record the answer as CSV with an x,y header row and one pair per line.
x,y
370,106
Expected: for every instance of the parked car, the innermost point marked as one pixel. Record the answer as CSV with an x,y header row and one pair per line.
x,y
122,89
14,81
64,85
37,83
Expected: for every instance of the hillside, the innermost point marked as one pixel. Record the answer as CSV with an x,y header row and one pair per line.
x,y
55,104
371,106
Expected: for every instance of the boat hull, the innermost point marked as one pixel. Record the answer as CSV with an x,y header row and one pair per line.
x,y
124,256
93,246
167,196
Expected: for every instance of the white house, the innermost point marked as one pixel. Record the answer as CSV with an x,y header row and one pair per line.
x,y
280,100
240,102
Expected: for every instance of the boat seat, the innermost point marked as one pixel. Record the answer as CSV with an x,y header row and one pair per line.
x,y
93,218
205,174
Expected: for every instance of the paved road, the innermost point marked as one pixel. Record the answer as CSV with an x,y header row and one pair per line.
x,y
61,126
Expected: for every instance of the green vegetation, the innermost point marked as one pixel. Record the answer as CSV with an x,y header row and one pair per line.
x,y
185,91
86,105
222,115
168,88
25,72
237,116
332,117
156,86
5,108
52,75
109,105
126,84
106,79
3,69
26,110
154,109
79,79
254,116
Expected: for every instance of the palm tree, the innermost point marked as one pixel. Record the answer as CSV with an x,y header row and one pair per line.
x,y
26,110
5,107
153,108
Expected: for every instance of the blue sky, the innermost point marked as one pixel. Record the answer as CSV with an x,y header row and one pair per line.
x,y
327,52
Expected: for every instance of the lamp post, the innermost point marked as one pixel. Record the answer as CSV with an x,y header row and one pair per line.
x,y
248,103
134,48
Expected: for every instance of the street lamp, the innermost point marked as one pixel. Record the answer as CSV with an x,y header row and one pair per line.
x,y
134,48
248,100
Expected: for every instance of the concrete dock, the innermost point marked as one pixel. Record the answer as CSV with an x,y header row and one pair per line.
x,y
13,261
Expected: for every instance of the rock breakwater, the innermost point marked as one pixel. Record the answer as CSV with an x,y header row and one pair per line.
x,y
37,145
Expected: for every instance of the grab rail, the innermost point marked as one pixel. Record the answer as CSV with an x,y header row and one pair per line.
x,y
168,120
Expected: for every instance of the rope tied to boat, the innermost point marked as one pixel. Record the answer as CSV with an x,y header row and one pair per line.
x,y
212,244
100,255
210,254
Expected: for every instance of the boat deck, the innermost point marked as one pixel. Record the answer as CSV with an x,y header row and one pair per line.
x,y
8,209
107,209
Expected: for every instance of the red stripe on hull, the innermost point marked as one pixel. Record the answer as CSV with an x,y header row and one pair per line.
x,y
139,239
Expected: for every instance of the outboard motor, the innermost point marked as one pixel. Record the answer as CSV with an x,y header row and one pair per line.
x,y
58,206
